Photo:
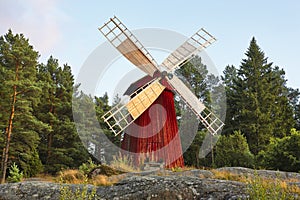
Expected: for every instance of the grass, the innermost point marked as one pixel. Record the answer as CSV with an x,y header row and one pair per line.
x,y
260,188
123,163
72,176
267,189
102,180
182,169
225,175
77,177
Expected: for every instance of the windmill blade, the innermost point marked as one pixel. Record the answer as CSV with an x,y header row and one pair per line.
x,y
143,100
126,43
117,119
122,115
209,120
199,41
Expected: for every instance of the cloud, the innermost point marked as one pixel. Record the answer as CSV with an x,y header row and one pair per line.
x,y
38,20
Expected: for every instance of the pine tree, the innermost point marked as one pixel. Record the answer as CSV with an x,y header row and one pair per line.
x,y
19,93
102,147
60,146
259,106
207,88
86,124
93,131
196,75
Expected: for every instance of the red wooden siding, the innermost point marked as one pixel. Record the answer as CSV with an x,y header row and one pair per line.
x,y
158,139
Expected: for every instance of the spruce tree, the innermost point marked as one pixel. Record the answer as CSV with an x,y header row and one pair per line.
x,y
297,116
19,94
229,79
259,106
294,96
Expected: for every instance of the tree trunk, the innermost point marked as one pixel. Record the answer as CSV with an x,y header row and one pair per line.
x,y
3,154
9,129
8,135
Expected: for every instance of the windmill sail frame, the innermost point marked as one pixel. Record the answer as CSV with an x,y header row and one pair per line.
x,y
199,41
208,119
121,116
125,42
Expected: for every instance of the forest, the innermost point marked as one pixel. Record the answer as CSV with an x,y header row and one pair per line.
x,y
38,133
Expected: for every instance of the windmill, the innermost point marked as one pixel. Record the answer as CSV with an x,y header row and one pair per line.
x,y
148,130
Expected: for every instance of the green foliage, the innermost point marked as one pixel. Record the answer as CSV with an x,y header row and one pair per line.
x,y
92,127
191,156
86,167
282,154
195,73
30,163
81,192
20,92
233,151
102,107
44,137
297,116
229,79
208,89
84,193
15,175
257,99
60,146
294,97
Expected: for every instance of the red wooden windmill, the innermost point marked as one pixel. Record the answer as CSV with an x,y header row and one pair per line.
x,y
148,120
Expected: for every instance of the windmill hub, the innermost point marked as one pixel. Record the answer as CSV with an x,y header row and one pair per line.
x,y
165,73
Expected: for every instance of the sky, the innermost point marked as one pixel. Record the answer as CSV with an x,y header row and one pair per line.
x,y
68,30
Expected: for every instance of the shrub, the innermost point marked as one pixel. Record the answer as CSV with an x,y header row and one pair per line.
x,y
82,192
15,175
233,151
85,168
282,153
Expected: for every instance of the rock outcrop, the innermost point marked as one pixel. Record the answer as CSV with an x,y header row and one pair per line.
x,y
155,184
135,187
261,173
29,190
